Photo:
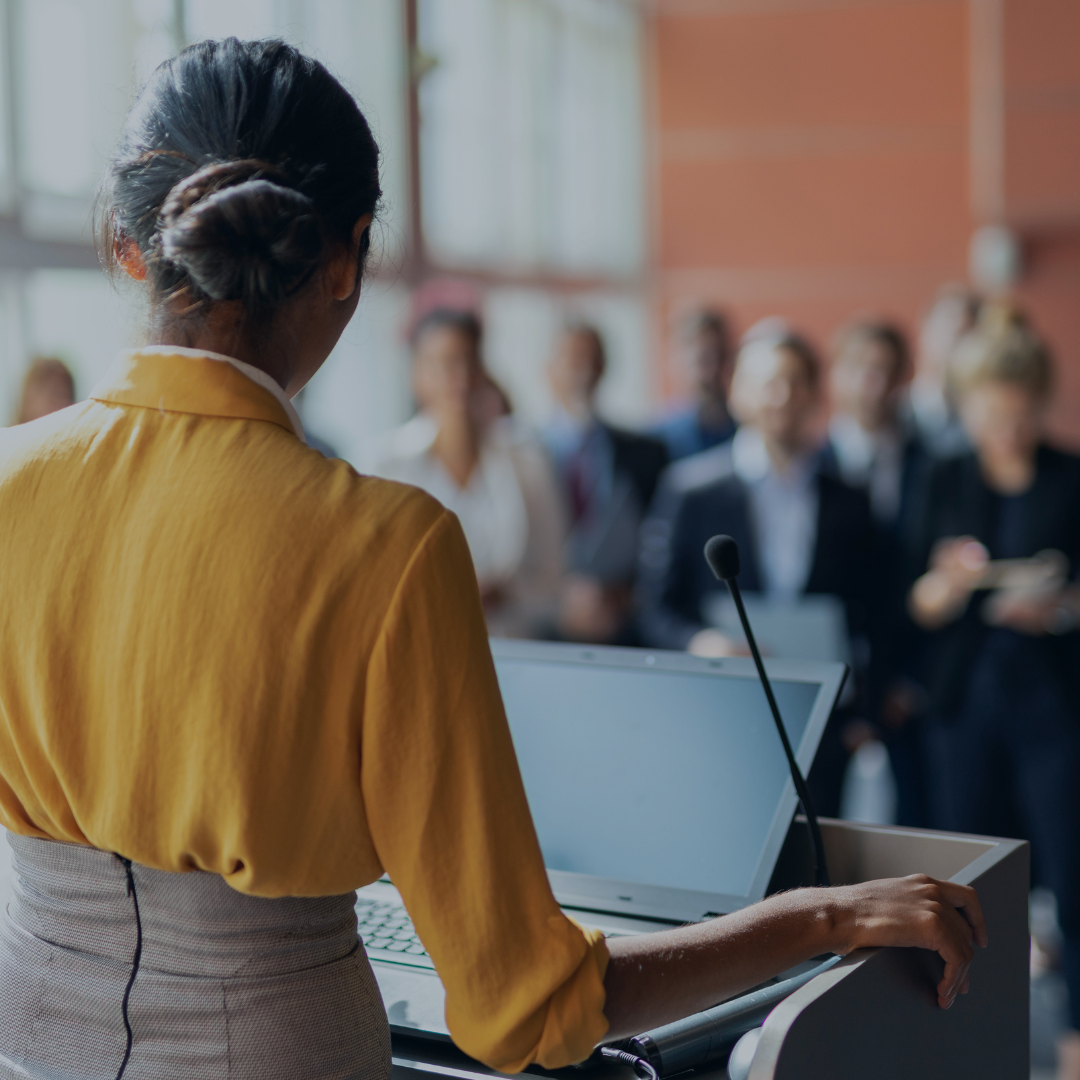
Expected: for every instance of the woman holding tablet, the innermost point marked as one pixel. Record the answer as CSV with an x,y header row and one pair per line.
x,y
238,680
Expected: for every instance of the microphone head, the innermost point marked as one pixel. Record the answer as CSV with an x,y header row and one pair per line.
x,y
722,555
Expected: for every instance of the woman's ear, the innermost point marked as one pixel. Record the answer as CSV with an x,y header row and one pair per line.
x,y
129,257
344,270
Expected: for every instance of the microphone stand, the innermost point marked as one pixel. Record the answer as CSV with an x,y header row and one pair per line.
x,y
722,555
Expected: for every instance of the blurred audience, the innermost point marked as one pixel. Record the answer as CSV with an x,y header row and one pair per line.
x,y
47,387
1003,672
800,529
933,412
872,445
498,482
608,478
704,422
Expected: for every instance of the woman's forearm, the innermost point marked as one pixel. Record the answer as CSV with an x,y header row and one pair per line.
x,y
656,978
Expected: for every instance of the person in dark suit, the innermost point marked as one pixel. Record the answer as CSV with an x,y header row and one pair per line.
x,y
704,422
873,445
609,477
800,529
1003,670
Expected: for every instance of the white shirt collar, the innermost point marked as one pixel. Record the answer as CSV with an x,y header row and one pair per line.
x,y
856,447
253,373
751,462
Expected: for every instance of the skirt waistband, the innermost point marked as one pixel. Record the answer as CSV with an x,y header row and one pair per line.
x,y
192,923
227,987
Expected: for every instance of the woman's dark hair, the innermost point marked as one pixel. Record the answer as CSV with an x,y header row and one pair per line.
x,y
464,322
239,163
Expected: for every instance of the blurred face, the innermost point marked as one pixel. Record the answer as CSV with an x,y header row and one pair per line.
x,y
865,377
1003,420
575,371
708,360
44,397
446,371
772,390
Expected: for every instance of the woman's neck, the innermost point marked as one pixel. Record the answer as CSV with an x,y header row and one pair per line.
x,y
1011,475
223,331
457,446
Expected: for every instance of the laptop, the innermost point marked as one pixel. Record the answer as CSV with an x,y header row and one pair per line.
x,y
810,627
684,820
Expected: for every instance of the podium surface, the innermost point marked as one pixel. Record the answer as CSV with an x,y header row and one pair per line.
x,y
875,1014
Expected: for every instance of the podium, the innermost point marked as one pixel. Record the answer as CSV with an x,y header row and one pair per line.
x,y
874,1015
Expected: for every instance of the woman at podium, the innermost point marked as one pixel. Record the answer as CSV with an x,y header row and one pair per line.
x,y
238,680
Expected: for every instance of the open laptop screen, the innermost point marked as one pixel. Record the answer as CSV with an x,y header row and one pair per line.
x,y
644,768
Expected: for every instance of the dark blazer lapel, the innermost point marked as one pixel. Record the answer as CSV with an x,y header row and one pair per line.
x,y
739,524
825,528
979,504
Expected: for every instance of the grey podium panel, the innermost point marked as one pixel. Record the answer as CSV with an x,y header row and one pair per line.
x,y
876,1014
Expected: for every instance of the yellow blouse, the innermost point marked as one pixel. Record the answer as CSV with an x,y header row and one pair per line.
x,y
221,651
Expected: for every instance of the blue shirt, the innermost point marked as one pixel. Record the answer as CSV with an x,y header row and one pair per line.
x,y
684,435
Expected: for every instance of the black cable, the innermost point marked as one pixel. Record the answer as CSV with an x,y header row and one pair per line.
x,y
134,963
640,1066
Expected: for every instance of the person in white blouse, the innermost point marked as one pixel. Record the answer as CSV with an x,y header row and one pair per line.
x,y
491,474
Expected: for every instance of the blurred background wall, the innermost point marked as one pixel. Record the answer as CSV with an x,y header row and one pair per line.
x,y
620,160
817,158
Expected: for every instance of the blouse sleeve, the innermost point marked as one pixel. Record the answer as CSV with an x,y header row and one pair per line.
x,y
447,813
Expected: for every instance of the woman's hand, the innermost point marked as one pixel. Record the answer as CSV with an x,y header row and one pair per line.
x,y
956,568
653,979
713,643
1034,614
589,610
915,911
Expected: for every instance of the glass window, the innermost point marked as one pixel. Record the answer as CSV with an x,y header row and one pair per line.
x,y
245,19
531,134
79,316
56,132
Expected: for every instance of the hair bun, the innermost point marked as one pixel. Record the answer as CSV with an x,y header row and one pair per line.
x,y
240,235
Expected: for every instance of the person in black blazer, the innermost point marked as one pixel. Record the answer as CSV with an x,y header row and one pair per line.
x,y
874,446
1003,667
799,529
609,477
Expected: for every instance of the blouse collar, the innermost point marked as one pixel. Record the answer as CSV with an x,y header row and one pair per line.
x,y
178,379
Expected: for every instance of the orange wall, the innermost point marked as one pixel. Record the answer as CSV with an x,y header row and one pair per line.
x,y
815,159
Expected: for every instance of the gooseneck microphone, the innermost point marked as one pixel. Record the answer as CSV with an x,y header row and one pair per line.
x,y
722,555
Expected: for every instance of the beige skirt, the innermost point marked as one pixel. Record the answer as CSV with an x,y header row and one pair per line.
x,y
226,986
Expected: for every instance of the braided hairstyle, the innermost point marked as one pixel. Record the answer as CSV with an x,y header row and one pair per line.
x,y
239,164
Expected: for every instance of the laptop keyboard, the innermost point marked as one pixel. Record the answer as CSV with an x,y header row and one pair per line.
x,y
388,934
